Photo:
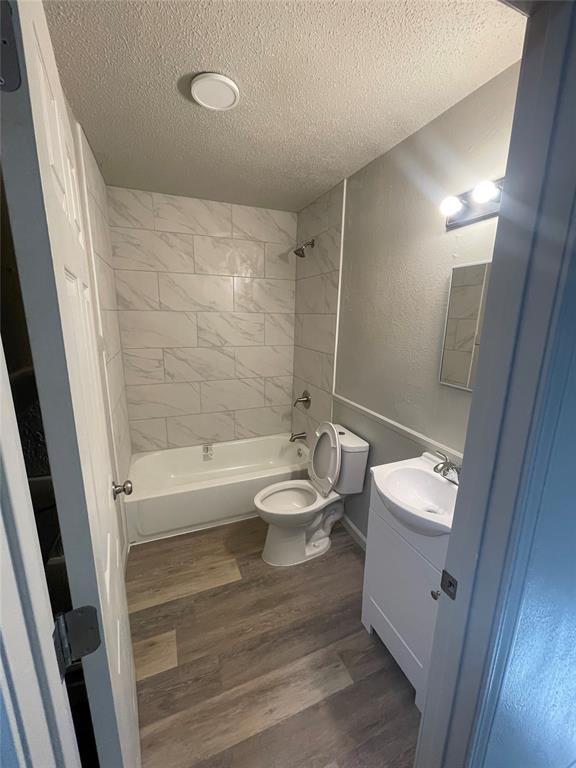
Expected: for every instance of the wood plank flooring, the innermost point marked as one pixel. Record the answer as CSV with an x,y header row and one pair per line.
x,y
241,665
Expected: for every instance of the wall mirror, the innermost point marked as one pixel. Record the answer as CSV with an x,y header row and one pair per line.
x,y
464,320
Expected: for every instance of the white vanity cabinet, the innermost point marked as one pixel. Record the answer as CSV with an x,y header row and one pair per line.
x,y
401,589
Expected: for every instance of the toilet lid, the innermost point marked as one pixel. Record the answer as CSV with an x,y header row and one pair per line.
x,y
324,459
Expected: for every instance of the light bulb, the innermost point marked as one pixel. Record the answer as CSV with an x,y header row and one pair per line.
x,y
450,206
485,191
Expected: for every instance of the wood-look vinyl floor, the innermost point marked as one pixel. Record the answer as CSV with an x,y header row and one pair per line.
x,y
241,665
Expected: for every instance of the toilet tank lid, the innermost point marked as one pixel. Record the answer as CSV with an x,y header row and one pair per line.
x,y
349,441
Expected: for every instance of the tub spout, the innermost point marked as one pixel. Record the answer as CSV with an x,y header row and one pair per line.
x,y
297,436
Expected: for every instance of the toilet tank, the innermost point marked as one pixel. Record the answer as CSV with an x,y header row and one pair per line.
x,y
353,459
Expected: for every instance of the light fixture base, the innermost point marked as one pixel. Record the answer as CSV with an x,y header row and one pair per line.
x,y
214,91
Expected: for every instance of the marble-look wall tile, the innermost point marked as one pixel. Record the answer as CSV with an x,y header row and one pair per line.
x,y
230,329
310,295
263,295
232,394
187,214
320,401
141,329
148,435
94,181
317,279
308,365
227,256
264,224
155,400
137,290
324,213
316,332
100,234
152,251
110,333
121,437
303,422
280,261
105,284
201,429
278,390
130,208
279,329
256,422
327,377
115,377
324,257
204,302
143,366
200,364
197,293
330,283
253,362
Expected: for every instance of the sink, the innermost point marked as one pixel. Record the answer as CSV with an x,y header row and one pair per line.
x,y
418,497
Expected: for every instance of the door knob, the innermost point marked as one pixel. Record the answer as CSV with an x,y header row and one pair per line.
x,y
126,488
434,594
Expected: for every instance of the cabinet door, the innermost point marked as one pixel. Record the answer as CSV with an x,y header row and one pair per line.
x,y
398,603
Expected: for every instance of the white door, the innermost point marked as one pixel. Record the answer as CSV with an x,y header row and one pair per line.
x,y
35,720
42,191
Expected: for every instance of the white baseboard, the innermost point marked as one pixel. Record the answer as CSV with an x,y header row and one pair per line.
x,y
354,531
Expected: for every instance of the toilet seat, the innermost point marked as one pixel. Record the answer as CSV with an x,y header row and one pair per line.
x,y
324,458
294,498
301,513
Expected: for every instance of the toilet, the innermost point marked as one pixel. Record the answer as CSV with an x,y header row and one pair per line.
x,y
301,513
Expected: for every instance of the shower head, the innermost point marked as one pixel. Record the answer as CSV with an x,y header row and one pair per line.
x,y
300,251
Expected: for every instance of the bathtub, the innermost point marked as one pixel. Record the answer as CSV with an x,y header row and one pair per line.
x,y
186,489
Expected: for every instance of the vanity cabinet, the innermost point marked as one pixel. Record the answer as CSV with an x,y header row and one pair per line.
x,y
401,589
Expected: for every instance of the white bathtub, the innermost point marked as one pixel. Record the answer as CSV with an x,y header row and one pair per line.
x,y
186,489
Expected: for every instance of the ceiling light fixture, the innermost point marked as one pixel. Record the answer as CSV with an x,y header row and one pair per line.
x,y
214,91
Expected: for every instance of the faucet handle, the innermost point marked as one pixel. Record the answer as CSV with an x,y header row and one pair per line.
x,y
441,455
305,398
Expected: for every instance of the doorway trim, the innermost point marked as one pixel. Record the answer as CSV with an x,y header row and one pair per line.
x,y
528,279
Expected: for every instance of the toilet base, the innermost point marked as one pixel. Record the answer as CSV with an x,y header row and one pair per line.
x,y
293,546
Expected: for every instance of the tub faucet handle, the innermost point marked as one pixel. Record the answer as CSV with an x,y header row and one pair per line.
x,y
126,488
305,398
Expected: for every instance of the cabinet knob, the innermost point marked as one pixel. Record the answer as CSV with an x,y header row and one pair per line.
x,y
434,594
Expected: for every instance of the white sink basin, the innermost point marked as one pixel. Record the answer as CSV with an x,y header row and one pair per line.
x,y
418,497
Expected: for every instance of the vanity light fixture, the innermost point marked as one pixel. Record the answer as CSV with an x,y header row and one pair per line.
x,y
450,206
479,203
485,191
214,91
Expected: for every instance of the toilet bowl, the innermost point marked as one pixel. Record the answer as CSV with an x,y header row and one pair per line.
x,y
301,513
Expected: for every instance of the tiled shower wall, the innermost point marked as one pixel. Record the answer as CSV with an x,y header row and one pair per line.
x,y
100,236
317,277
205,295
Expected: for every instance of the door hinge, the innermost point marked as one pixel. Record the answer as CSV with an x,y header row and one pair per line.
x,y
449,585
9,66
76,634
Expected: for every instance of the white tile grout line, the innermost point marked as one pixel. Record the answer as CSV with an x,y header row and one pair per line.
x,y
344,191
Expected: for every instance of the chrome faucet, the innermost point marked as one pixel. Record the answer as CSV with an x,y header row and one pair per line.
x,y
297,436
305,398
447,467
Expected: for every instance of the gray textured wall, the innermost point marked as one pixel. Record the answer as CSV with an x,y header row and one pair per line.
x,y
396,273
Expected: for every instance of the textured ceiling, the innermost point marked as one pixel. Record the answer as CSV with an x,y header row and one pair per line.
x,y
326,86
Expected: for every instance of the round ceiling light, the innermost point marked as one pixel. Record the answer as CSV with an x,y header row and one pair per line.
x,y
215,91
